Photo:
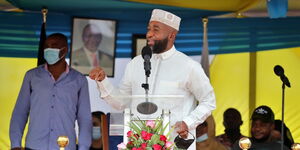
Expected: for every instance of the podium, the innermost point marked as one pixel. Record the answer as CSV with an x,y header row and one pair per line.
x,y
165,105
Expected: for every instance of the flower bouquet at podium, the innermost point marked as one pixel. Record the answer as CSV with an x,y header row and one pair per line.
x,y
147,135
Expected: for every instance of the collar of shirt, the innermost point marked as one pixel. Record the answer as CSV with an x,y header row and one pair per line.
x,y
67,70
167,54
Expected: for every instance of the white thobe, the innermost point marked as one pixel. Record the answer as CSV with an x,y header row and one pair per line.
x,y
172,73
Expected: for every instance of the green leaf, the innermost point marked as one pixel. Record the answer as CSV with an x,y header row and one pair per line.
x,y
155,138
171,130
135,128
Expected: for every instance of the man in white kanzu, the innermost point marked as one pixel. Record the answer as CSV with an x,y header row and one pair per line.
x,y
172,73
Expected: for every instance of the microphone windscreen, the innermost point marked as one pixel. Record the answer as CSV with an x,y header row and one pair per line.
x,y
278,70
146,51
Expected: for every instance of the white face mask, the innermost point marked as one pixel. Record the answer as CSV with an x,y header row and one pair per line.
x,y
96,133
51,55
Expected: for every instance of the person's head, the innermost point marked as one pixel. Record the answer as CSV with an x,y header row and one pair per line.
x,y
162,30
232,119
96,119
276,133
55,48
262,123
91,37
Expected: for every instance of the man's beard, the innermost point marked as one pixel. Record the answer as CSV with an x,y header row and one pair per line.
x,y
160,46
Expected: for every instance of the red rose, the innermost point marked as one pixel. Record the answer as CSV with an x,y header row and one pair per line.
x,y
163,138
129,134
149,135
146,135
156,147
143,145
129,144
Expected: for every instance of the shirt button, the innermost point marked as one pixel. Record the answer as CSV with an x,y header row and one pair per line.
x,y
53,95
51,129
52,106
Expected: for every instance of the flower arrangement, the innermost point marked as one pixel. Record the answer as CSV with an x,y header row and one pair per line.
x,y
147,135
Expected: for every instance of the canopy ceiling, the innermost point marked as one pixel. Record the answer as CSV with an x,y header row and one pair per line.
x,y
191,8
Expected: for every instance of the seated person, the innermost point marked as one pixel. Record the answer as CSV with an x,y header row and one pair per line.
x,y
97,141
205,136
276,134
232,120
262,126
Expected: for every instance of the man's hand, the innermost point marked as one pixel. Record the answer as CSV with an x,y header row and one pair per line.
x,y
182,129
97,74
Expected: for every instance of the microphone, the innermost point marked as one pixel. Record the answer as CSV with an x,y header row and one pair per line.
x,y
147,54
146,107
280,72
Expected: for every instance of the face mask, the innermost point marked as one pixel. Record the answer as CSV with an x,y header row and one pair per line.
x,y
202,138
51,55
96,133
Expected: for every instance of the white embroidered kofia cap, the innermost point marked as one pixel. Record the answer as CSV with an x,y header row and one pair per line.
x,y
166,18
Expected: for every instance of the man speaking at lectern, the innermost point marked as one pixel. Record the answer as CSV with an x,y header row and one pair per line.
x,y
172,73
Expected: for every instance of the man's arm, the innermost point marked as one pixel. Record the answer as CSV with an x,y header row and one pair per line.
x,y
84,117
20,113
112,95
202,90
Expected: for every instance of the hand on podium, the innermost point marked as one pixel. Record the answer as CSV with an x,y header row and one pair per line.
x,y
97,74
182,129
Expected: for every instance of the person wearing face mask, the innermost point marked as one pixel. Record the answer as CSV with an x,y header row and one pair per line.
x,y
205,134
97,142
53,96
172,73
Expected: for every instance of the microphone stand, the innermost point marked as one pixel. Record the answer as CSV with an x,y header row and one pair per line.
x,y
146,87
282,117
146,107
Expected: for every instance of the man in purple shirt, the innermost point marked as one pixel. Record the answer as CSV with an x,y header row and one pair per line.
x,y
53,96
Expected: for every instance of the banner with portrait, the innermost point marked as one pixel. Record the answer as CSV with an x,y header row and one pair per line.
x,y
93,45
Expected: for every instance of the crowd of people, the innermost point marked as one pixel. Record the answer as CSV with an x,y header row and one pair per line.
x,y
265,132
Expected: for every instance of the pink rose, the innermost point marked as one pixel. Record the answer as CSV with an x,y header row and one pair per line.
x,y
150,123
168,144
121,146
163,138
156,147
